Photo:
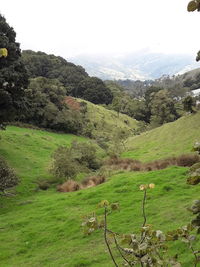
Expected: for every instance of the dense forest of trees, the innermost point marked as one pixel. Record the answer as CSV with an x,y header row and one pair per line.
x,y
74,78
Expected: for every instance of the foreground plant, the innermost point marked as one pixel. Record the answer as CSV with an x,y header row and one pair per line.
x,y
150,246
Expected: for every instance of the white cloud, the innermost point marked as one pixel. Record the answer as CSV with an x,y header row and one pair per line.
x,y
70,27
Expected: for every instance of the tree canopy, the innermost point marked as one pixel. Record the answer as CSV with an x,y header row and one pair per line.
x,y
194,5
46,104
53,67
13,76
74,78
94,90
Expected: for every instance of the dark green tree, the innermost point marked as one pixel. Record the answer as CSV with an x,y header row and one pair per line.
x,y
189,103
148,98
162,108
45,99
94,90
53,67
13,75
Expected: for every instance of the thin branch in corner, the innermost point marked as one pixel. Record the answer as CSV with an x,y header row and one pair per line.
x,y
105,237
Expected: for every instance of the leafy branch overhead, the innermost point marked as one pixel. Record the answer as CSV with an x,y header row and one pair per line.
x,y
194,6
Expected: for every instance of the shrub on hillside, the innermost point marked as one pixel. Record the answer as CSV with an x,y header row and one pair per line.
x,y
85,154
8,178
64,166
69,161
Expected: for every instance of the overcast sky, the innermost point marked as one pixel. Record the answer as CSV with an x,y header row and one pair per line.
x,y
71,27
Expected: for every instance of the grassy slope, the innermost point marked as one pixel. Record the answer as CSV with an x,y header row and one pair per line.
x,y
43,228
29,152
108,121
171,139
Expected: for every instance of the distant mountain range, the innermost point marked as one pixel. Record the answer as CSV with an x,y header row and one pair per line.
x,y
136,66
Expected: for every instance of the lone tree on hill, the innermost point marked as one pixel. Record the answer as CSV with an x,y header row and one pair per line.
x,y
189,104
13,76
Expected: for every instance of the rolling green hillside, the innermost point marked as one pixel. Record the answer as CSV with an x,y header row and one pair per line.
x,y
108,122
170,139
44,228
29,152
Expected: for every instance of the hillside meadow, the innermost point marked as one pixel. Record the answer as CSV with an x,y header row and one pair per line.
x,y
108,122
170,139
43,228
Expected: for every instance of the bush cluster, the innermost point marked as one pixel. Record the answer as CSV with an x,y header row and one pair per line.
x,y
69,161
8,178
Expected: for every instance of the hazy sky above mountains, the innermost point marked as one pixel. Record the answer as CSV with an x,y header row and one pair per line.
x,y
71,27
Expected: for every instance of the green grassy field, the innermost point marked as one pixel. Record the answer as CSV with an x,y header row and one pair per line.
x,y
171,139
29,152
108,122
44,228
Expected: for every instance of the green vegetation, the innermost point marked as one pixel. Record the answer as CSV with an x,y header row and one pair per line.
x,y
189,104
148,247
79,157
13,76
47,108
39,64
106,123
74,78
44,228
29,152
40,226
8,177
171,139
94,90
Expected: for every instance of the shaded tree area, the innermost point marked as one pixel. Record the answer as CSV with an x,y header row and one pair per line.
x,y
189,104
74,78
94,90
162,108
53,67
47,108
156,107
13,75
136,88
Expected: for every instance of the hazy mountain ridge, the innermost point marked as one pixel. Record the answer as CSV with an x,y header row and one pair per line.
x,y
136,66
